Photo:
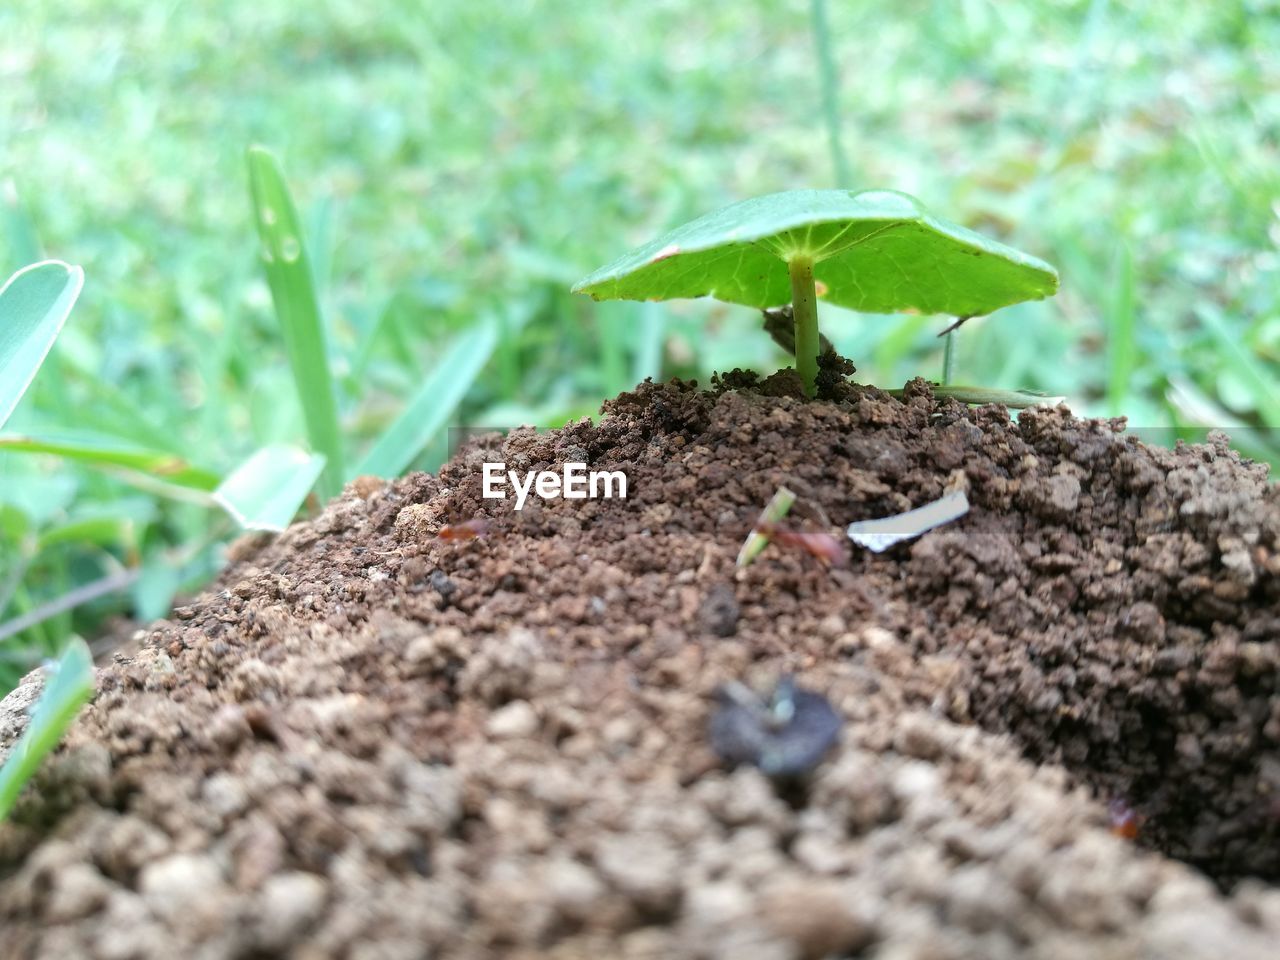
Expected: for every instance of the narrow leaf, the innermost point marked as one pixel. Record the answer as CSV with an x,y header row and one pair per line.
x,y
433,405
1122,350
284,256
106,453
68,688
1261,383
1013,399
34,304
265,492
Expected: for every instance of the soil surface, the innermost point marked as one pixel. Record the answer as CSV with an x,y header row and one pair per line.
x,y
370,742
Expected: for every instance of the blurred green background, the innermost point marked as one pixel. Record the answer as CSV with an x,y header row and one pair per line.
x,y
458,162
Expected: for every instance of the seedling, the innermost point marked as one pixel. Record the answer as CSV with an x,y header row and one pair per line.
x,y
876,251
769,528
779,506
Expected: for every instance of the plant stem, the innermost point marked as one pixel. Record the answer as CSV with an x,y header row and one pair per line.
x,y
1013,399
804,304
829,82
112,583
948,357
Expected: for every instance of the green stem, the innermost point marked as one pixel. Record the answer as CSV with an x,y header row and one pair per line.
x,y
948,358
1013,399
804,304
829,82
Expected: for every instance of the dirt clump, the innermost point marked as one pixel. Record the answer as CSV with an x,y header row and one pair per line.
x,y
368,742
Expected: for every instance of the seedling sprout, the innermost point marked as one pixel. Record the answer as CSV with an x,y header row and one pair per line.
x,y
779,506
875,251
769,527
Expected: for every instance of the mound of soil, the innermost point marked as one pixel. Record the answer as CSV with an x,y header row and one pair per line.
x,y
369,742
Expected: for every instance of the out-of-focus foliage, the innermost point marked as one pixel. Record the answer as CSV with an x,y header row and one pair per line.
x,y
457,163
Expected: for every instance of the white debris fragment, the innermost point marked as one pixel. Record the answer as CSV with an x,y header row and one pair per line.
x,y
879,535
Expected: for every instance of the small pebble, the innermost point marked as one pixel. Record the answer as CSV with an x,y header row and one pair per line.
x,y
516,719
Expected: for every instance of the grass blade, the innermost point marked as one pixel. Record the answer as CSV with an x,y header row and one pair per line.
x,y
293,291
829,82
651,331
434,404
1122,352
19,230
1262,385
104,453
265,492
34,304
66,691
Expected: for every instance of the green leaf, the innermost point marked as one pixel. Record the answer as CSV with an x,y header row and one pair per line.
x,y
876,251
1261,383
433,405
103,531
1122,350
68,688
34,304
288,268
109,454
154,590
265,492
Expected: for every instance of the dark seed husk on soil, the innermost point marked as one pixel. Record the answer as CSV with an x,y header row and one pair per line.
x,y
785,734
370,743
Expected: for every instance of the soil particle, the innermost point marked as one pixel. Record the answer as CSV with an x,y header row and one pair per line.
x,y
367,741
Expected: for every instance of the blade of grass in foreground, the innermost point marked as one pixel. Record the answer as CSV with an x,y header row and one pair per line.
x,y
1122,351
434,404
288,268
1261,385
34,304
65,692
265,492
103,453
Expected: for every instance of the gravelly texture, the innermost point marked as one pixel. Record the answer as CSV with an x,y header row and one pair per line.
x,y
369,743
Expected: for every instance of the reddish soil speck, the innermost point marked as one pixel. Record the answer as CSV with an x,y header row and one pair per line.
x,y
467,530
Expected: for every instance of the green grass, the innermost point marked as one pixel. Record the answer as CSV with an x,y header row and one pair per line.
x,y
456,164
68,686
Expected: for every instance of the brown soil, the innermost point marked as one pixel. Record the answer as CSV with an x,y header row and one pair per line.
x,y
370,743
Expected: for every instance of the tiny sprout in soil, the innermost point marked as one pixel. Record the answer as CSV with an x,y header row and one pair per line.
x,y
876,251
769,528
